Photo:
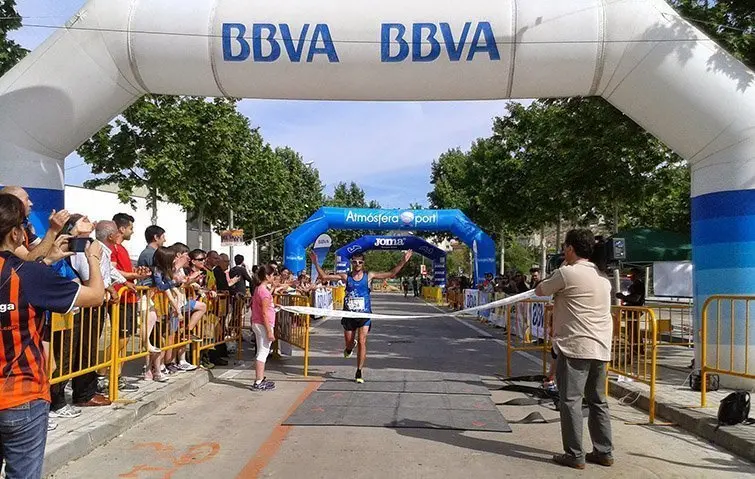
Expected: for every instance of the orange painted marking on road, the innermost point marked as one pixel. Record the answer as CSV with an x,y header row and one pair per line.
x,y
274,441
196,454
318,409
478,423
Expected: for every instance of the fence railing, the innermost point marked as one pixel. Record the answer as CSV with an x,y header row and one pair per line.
x,y
634,348
291,327
76,347
528,328
675,324
433,294
725,316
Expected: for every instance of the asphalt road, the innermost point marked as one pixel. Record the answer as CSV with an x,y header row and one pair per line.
x,y
226,431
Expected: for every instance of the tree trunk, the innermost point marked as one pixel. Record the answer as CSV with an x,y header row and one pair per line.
x,y
543,252
503,251
615,217
153,206
200,239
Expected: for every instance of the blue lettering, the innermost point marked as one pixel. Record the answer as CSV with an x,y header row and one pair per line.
x,y
294,51
386,40
454,49
275,49
322,31
417,40
229,36
490,46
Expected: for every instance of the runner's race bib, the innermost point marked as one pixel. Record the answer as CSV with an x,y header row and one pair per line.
x,y
355,304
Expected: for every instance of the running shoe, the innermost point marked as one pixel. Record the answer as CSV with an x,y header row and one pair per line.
x,y
205,363
124,385
348,352
51,425
66,412
358,377
186,366
263,386
172,369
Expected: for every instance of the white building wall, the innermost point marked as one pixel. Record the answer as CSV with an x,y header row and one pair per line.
x,y
102,205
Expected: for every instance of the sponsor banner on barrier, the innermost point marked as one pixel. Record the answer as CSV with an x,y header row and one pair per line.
x,y
323,299
470,298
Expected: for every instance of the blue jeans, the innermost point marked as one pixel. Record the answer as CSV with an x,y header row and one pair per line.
x,y
23,433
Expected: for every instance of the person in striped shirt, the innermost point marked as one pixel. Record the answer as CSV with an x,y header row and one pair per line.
x,y
26,289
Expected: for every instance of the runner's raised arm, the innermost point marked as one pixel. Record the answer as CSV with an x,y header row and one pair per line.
x,y
396,270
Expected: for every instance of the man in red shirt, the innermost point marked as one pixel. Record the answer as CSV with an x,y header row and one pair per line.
x,y
128,301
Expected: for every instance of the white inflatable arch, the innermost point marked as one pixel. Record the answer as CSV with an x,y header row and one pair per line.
x,y
637,54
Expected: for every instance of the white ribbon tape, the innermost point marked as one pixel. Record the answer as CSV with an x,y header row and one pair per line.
x,y
334,313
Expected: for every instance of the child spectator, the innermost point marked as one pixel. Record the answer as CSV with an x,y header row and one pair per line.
x,y
263,325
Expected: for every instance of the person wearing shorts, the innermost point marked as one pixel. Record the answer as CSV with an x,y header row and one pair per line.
x,y
263,325
358,300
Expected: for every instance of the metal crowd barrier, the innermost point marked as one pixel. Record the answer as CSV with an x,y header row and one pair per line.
x,y
719,318
78,344
291,327
529,316
433,294
634,348
222,322
675,324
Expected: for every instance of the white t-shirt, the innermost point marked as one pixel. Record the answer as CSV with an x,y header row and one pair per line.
x,y
582,321
109,273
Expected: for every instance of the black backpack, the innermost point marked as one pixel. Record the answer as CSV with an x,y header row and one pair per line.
x,y
734,409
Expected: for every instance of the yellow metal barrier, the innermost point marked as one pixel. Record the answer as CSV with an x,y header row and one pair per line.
x,y
339,294
433,294
726,309
222,322
78,344
634,348
455,299
518,331
293,328
675,325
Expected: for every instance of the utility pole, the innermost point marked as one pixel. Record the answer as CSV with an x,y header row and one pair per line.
x,y
230,227
200,219
503,252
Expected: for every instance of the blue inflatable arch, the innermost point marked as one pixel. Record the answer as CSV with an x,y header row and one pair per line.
x,y
453,221
419,245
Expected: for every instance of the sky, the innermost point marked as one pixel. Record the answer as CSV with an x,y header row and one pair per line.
x,y
385,147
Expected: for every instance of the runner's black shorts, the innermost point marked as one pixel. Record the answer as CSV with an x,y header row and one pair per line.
x,y
352,324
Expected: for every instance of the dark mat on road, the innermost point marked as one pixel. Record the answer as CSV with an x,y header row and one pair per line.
x,y
399,410
410,382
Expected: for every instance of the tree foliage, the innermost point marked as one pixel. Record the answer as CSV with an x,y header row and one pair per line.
x,y
349,196
205,156
10,51
730,22
577,158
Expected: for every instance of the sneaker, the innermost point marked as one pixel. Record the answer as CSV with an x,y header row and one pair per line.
x,y
66,412
263,386
205,363
358,377
348,352
172,369
568,461
186,366
600,459
160,378
124,385
51,425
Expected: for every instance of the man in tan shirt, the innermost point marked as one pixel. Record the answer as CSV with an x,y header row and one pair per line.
x,y
583,328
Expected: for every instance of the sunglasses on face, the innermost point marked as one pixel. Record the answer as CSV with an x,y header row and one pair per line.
x,y
200,259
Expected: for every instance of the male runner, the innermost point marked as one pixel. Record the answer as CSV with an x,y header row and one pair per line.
x,y
358,300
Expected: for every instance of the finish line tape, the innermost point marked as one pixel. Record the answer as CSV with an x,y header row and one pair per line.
x,y
334,313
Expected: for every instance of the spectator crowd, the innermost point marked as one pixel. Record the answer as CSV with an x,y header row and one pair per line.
x,y
81,271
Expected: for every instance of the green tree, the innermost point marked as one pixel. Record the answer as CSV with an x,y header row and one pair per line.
x,y
730,22
349,196
10,51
